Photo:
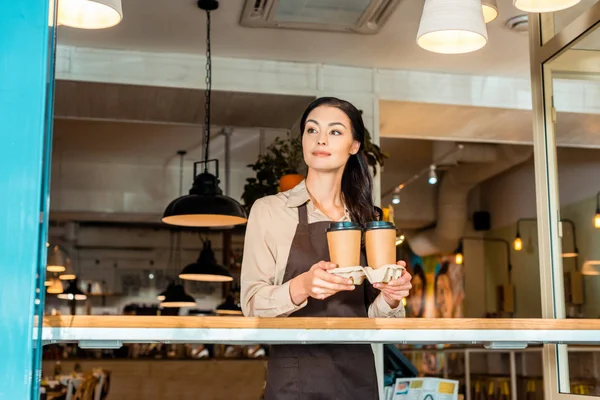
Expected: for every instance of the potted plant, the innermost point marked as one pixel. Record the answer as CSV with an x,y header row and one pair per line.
x,y
279,168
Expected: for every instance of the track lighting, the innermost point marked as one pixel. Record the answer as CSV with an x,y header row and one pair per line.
x,y
432,175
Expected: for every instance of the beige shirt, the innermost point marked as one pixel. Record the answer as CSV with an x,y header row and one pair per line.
x,y
269,233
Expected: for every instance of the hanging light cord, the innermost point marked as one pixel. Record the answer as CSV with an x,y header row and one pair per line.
x,y
207,93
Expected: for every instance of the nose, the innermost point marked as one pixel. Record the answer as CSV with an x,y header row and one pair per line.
x,y
322,139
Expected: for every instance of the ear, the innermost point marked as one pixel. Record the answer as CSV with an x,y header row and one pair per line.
x,y
355,147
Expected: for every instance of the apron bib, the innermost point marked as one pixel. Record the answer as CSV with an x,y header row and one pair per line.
x,y
326,371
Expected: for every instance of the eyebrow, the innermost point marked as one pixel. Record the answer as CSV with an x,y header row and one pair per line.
x,y
330,124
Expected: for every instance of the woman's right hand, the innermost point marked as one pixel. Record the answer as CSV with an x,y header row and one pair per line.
x,y
318,283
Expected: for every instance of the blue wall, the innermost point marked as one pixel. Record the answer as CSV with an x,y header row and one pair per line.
x,y
26,81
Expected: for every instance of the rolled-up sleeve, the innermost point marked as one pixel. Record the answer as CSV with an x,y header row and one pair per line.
x,y
381,309
259,295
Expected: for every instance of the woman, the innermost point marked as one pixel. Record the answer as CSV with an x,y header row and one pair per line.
x,y
285,262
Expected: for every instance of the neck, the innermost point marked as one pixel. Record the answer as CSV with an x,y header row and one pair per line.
x,y
325,187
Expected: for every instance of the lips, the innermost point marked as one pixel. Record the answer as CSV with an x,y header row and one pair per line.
x,y
321,153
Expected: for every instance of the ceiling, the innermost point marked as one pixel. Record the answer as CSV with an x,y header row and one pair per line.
x,y
107,101
400,119
179,27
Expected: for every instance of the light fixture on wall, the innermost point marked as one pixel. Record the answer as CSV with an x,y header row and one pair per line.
x,y
206,268
597,217
89,14
452,26
575,251
490,10
459,257
205,205
591,268
544,6
518,242
459,253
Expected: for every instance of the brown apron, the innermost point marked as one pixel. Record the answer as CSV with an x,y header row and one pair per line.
x,y
324,371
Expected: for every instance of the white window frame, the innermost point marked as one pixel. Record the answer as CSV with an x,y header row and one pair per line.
x,y
545,46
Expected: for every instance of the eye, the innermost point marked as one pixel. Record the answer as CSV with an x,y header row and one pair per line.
x,y
311,130
336,133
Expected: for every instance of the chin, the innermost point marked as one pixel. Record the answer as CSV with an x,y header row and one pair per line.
x,y
324,165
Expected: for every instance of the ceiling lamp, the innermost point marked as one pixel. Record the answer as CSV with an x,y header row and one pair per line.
x,y
452,26
72,292
229,307
68,274
490,10
56,261
54,286
205,205
544,6
175,296
206,268
89,14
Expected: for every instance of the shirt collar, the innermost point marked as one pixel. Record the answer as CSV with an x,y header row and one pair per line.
x,y
298,195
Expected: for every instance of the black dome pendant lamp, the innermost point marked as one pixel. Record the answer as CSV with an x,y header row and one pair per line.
x,y
175,295
205,205
206,268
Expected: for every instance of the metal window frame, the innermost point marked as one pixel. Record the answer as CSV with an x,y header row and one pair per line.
x,y
545,46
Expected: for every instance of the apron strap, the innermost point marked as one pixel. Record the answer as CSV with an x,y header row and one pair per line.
x,y
303,215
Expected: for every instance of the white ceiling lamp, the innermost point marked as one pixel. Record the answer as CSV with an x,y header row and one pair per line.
x,y
490,10
89,14
452,26
543,6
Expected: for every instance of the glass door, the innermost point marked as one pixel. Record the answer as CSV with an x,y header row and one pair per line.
x,y
566,86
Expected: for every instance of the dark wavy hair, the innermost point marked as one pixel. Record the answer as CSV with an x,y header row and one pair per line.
x,y
357,184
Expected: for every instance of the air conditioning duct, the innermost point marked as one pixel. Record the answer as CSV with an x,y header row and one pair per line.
x,y
474,164
365,17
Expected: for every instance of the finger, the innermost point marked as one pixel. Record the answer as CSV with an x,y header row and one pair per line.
x,y
402,263
396,295
326,276
325,265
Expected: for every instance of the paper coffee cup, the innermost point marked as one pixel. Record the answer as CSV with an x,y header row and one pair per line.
x,y
380,242
343,240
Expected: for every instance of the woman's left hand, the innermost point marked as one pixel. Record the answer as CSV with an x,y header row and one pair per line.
x,y
394,291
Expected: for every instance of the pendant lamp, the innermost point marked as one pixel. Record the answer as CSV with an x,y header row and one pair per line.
x,y
89,14
72,292
68,274
490,10
175,296
544,6
229,307
205,205
54,286
206,268
56,259
452,26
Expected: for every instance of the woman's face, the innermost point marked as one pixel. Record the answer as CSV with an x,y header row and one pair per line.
x,y
327,140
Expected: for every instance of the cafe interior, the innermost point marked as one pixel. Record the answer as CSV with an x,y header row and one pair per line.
x,y
484,146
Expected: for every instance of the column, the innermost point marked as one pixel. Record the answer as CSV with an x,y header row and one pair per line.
x,y
26,47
